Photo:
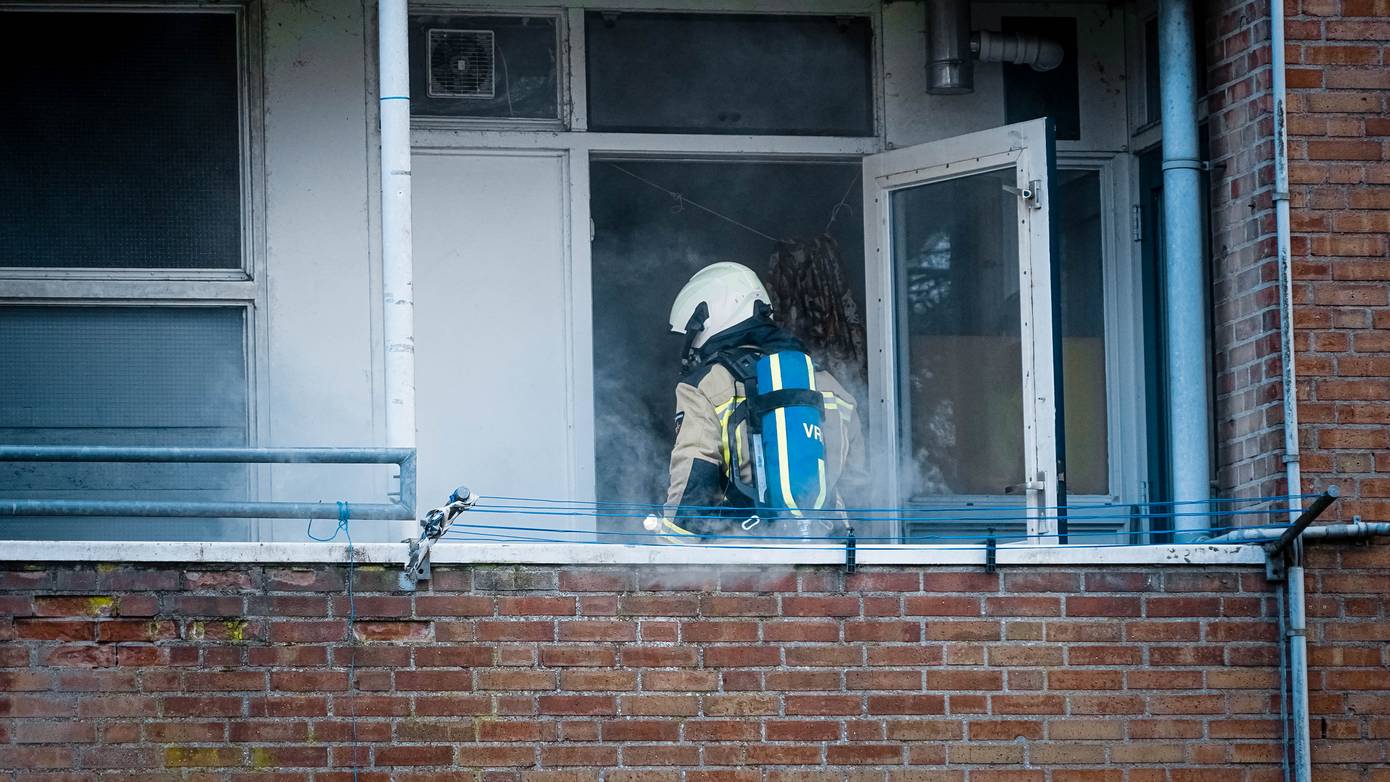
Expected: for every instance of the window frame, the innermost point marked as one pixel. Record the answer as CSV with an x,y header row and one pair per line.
x,y
563,84
941,161
242,288
568,137
1126,438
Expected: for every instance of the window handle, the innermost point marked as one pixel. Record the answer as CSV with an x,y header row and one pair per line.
x,y
1026,486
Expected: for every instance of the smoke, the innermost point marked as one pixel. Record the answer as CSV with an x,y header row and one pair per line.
x,y
646,245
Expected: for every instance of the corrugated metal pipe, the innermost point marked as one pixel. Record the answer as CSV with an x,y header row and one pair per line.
x,y
1041,54
952,49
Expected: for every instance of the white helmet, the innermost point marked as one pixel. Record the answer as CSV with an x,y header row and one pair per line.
x,y
727,289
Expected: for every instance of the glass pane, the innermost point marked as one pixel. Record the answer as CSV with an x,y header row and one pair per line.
x,y
647,244
1076,217
730,73
156,376
126,152
955,253
501,67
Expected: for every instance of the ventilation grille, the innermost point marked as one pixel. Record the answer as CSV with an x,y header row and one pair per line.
x,y
462,64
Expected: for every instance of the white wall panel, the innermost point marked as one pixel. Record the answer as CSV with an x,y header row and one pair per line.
x,y
320,254
491,329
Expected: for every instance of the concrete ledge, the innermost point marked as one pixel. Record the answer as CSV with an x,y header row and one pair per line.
x,y
608,554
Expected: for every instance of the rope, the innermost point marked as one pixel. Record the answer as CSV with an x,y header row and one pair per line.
x,y
504,538
843,204
836,515
1151,503
344,514
843,538
681,202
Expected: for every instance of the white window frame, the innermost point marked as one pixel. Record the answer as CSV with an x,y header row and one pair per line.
x,y
1121,281
571,140
938,161
243,288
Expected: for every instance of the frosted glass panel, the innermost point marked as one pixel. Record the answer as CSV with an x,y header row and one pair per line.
x,y
158,376
120,143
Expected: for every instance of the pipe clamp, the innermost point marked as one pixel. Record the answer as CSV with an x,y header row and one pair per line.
x,y
1186,162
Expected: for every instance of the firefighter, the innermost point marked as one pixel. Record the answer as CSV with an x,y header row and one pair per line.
x,y
762,437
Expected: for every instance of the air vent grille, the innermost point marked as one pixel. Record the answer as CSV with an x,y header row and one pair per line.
x,y
461,64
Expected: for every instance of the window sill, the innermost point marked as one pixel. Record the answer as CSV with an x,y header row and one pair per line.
x,y
567,554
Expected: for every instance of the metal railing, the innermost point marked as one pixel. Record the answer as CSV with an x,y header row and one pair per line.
x,y
402,509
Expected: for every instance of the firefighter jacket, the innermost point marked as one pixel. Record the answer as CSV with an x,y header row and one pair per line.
x,y
709,445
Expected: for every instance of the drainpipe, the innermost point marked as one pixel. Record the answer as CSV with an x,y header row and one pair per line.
x,y
1298,667
397,276
1296,632
1282,242
1188,395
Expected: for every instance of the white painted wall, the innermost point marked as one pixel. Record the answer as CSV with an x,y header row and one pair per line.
x,y
491,329
321,253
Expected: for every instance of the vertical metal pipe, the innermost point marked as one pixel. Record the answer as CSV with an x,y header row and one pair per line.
x,y
1281,605
397,278
397,263
1188,396
1298,665
1296,637
1282,234
950,67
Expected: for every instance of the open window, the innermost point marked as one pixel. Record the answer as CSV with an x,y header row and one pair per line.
x,y
964,343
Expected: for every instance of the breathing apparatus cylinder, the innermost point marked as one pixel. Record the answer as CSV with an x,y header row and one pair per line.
x,y
789,449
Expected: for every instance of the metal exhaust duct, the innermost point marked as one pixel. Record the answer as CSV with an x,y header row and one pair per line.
x,y
950,66
952,49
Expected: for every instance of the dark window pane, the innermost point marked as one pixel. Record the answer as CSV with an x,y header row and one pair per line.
x,y
120,146
159,376
1076,215
501,67
1029,94
730,73
1153,107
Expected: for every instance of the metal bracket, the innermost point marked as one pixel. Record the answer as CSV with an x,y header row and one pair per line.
x,y
432,528
991,553
850,564
1276,552
1032,194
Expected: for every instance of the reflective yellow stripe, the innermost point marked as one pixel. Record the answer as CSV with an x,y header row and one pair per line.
x,y
783,472
671,528
724,412
820,463
738,449
724,440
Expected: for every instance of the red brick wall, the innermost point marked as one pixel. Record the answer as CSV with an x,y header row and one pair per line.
x,y
1339,149
1339,146
684,675
1245,293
